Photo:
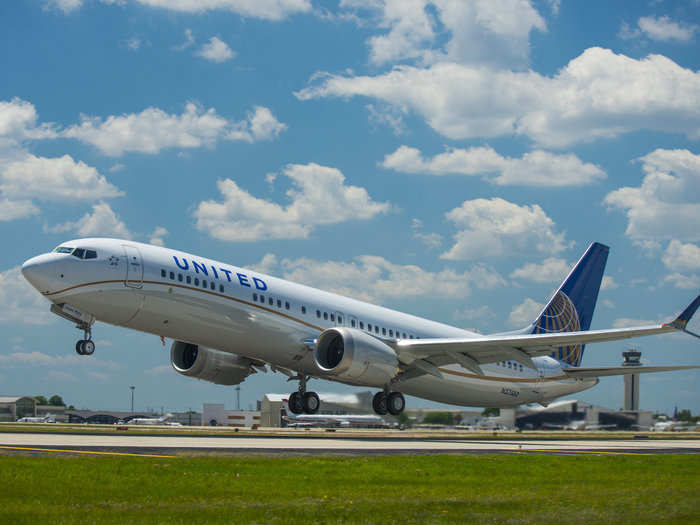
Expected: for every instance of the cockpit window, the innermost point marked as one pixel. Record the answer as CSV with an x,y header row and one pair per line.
x,y
90,254
79,253
82,253
63,249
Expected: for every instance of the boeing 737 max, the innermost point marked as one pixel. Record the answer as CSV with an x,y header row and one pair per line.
x,y
228,322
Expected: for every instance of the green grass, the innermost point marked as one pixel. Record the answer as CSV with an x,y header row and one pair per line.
x,y
399,489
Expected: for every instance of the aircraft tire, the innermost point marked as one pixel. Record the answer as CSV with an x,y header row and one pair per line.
x,y
395,403
88,347
295,403
311,402
380,404
80,346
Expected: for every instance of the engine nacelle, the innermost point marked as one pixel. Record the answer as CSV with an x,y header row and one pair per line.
x,y
355,357
210,365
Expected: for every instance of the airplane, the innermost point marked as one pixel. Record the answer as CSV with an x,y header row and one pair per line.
x,y
48,418
335,420
151,420
228,322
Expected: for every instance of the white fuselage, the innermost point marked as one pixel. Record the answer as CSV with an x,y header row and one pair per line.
x,y
205,302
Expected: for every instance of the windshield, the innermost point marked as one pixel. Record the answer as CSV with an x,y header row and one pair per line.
x,y
63,249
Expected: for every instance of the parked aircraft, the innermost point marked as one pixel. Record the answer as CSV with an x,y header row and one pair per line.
x,y
48,418
229,322
336,420
150,420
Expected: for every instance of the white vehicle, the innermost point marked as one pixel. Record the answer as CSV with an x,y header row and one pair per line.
x,y
151,420
48,418
229,322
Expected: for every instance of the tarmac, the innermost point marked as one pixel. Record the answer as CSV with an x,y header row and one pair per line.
x,y
336,443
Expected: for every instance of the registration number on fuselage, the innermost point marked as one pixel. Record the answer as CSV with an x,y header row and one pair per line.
x,y
510,392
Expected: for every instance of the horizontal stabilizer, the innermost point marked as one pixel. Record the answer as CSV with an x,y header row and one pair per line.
x,y
621,370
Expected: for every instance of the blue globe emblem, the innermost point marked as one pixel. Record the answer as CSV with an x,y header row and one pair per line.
x,y
561,316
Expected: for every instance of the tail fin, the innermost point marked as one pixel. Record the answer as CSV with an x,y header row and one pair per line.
x,y
571,308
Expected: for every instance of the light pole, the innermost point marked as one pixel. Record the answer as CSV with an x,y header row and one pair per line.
x,y
238,397
132,399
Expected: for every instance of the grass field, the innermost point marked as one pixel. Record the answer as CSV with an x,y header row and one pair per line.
x,y
425,489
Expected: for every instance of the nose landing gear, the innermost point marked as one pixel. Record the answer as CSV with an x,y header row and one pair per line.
x,y
85,346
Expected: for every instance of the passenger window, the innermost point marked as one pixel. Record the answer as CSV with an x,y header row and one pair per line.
x,y
286,305
340,320
279,303
391,333
318,313
325,316
369,327
212,285
410,337
255,297
362,325
204,283
404,335
188,279
196,281
270,301
79,253
333,318
376,329
262,298
383,331
163,273
90,254
179,277
172,276
352,323
221,288
303,309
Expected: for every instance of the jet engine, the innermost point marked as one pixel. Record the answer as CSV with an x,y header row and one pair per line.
x,y
355,357
210,365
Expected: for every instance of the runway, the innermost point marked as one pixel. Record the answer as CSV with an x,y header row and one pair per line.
x,y
336,445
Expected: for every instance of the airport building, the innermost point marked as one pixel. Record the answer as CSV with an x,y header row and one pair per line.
x,y
14,407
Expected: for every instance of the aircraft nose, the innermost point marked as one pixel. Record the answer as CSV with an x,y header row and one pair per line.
x,y
39,271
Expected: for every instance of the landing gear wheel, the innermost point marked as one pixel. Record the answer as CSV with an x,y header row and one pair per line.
x,y
379,403
88,347
295,403
395,403
311,402
79,347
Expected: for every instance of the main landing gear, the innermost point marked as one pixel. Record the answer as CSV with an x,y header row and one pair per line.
x,y
85,346
302,401
388,402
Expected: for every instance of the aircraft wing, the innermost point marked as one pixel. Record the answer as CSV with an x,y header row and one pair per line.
x,y
621,370
424,354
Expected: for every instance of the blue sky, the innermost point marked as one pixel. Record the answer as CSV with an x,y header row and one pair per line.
x,y
447,158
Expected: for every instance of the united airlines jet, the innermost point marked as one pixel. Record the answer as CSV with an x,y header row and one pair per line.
x,y
229,322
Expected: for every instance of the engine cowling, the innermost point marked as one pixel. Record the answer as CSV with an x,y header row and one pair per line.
x,y
356,357
207,364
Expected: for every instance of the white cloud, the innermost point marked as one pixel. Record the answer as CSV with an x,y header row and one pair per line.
x,y
66,6
102,222
18,122
474,314
667,204
430,240
598,95
264,9
189,41
681,257
497,228
70,361
665,29
319,196
478,32
153,130
373,278
156,238
626,322
159,370
133,44
537,168
552,270
681,281
525,313
608,283
21,303
54,179
216,50
12,210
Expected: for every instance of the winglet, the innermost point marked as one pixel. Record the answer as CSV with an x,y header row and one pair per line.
x,y
681,321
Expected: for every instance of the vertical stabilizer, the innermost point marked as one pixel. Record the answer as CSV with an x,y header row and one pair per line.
x,y
571,308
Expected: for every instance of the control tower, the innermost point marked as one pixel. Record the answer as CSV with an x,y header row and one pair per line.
x,y
631,395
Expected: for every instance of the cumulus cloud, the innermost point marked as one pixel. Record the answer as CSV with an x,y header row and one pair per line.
x,y
597,95
65,6
497,228
667,204
216,50
153,130
21,303
189,41
70,361
537,168
477,32
156,238
54,179
102,222
264,9
13,210
664,29
319,196
684,262
373,278
552,270
430,240
525,313
19,122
